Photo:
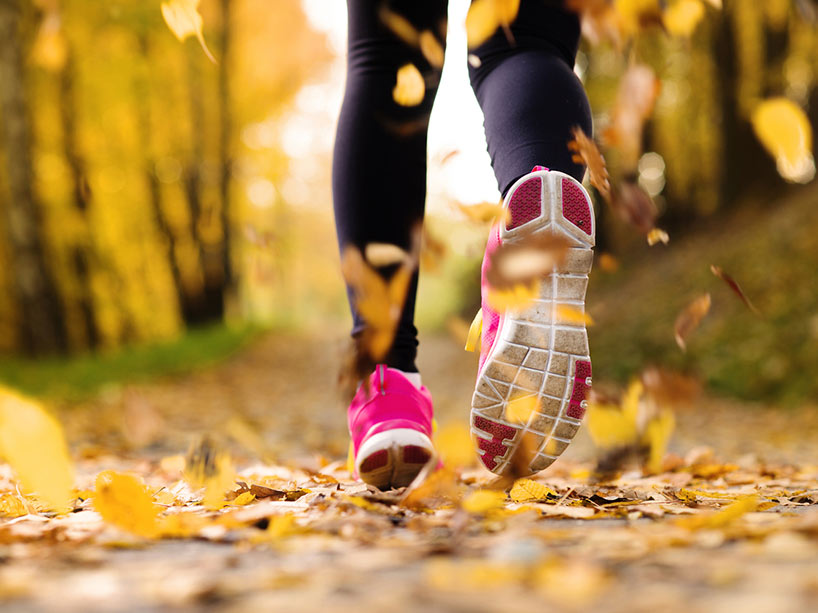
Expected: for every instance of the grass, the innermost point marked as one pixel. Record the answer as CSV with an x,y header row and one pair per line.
x,y
771,250
81,376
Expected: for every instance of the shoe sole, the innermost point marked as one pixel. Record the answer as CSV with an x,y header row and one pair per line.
x,y
536,352
393,458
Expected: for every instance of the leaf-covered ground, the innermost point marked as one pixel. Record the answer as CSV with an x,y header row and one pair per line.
x,y
730,524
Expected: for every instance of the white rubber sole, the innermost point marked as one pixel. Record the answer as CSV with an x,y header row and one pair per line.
x,y
539,352
393,457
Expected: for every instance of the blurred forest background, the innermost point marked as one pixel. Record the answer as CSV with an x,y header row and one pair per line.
x,y
160,208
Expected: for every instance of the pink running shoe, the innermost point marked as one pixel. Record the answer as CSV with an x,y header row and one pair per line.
x,y
390,423
534,352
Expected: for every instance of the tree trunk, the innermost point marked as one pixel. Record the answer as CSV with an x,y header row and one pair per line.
x,y
42,320
225,153
82,252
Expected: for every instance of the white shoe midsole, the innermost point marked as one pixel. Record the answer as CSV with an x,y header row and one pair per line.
x,y
397,437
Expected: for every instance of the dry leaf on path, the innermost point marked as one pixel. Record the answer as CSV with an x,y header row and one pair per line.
x,y
690,317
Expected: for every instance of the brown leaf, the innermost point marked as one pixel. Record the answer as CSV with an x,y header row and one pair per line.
x,y
689,319
526,261
635,99
586,152
634,205
733,285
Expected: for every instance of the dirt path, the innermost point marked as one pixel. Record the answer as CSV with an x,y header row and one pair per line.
x,y
734,528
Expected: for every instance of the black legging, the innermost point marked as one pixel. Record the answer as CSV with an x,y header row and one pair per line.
x,y
530,99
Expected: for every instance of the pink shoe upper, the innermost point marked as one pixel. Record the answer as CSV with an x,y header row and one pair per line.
x,y
385,401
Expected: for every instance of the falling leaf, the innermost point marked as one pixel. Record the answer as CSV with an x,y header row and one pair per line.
x,y
400,26
607,262
609,426
384,254
481,502
453,443
474,336
519,409
474,61
635,98
485,16
33,444
483,212
784,130
410,88
682,17
124,501
600,21
528,260
587,153
657,235
379,302
183,19
527,490
433,251
515,298
50,49
432,488
689,319
634,205
431,49
733,285
635,15
208,467
657,434
572,315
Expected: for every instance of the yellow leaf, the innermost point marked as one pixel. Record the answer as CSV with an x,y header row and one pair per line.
x,y
453,443
727,515
432,50
657,434
410,88
243,499
657,235
517,298
611,426
485,16
474,336
12,505
519,409
572,315
784,130
484,501
527,490
124,501
682,17
183,19
32,443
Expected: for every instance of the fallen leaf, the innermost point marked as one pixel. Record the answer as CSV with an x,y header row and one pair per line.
x,y
33,444
527,490
183,19
410,88
690,318
733,285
